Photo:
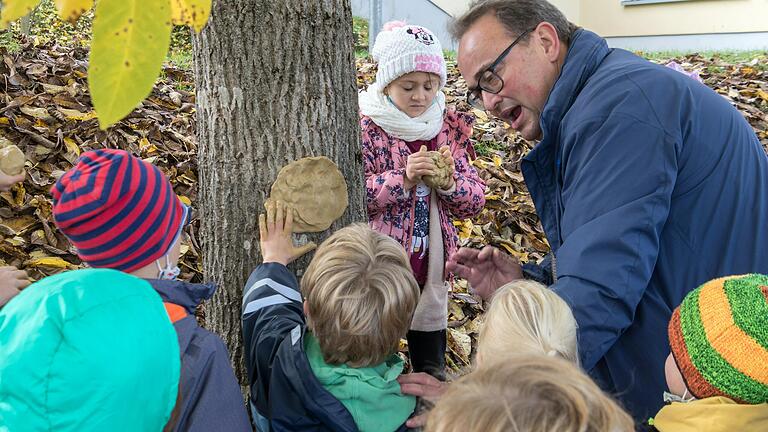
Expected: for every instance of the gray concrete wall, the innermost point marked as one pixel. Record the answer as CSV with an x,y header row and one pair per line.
x,y
419,12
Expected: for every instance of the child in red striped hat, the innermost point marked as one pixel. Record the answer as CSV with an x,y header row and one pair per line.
x,y
121,212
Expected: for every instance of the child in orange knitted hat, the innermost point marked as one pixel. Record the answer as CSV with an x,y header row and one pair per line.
x,y
717,372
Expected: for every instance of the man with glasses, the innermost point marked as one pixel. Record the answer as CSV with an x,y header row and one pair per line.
x,y
647,184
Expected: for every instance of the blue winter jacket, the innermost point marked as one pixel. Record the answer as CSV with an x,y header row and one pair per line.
x,y
210,394
647,184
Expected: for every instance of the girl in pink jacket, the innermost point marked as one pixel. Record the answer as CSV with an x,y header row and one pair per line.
x,y
403,115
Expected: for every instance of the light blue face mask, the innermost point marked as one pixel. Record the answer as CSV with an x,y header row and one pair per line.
x,y
669,397
169,272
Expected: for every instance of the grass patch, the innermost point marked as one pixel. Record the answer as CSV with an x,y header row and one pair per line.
x,y
360,29
728,56
486,148
181,59
9,41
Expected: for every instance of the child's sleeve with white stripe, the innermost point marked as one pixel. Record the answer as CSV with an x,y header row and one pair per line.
x,y
272,307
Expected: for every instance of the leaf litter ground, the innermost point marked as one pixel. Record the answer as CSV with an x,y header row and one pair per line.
x,y
46,110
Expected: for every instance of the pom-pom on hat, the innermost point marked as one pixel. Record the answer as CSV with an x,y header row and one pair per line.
x,y
719,339
117,210
400,49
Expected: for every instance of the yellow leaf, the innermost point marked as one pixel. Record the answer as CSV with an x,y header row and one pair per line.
x,y
497,160
73,150
193,13
15,9
762,95
185,200
70,10
481,115
130,41
464,228
50,262
72,114
146,147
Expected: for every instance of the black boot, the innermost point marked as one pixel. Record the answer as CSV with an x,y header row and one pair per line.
x,y
427,352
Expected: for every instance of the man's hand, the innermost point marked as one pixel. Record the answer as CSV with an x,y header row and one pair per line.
x,y
422,385
486,269
6,181
419,164
12,281
445,152
275,229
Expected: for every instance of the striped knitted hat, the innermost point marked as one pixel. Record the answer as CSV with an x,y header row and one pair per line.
x,y
719,339
117,210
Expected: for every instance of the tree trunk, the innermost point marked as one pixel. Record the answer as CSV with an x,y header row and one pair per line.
x,y
275,83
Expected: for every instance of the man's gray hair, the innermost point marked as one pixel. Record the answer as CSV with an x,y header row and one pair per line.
x,y
516,16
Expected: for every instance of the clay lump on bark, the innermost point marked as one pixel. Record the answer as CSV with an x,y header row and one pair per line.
x,y
315,189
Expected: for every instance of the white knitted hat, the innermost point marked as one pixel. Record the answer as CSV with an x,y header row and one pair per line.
x,y
402,48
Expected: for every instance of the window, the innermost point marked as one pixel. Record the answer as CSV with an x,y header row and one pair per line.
x,y
640,2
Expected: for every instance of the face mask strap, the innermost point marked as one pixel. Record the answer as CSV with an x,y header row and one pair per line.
x,y
167,273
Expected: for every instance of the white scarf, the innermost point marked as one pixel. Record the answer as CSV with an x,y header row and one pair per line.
x,y
374,104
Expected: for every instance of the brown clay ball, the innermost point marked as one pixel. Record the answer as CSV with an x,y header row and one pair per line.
x,y
11,160
442,178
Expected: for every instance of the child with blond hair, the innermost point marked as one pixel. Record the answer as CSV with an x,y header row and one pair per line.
x,y
524,317
527,393
527,317
323,357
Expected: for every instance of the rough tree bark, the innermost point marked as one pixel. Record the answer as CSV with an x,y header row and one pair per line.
x,y
275,83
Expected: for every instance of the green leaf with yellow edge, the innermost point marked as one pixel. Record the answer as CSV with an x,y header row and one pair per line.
x,y
70,10
193,13
130,41
11,10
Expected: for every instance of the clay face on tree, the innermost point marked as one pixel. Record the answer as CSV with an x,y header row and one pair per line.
x,y
315,189
442,177
11,160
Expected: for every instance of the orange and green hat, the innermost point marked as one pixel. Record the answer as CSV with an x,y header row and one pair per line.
x,y
719,339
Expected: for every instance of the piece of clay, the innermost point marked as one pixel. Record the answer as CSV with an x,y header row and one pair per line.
x,y
315,189
442,177
11,160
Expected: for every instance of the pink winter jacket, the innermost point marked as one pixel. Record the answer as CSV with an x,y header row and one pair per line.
x,y
391,208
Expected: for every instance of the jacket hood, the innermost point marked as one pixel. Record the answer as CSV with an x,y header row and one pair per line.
x,y
371,394
712,414
184,294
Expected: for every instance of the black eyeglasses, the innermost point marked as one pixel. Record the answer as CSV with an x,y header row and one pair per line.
x,y
490,81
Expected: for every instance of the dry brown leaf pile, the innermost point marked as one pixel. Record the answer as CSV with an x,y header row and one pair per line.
x,y
47,112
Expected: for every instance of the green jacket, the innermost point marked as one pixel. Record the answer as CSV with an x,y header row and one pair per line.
x,y
371,394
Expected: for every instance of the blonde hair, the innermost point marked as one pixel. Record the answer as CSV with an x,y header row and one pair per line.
x,y
525,317
527,393
360,294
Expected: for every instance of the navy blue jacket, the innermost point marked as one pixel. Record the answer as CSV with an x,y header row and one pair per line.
x,y
647,183
284,390
210,394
